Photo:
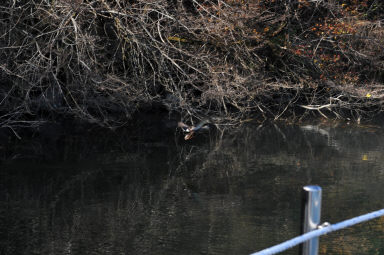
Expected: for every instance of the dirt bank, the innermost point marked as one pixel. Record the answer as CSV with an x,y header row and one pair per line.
x,y
103,61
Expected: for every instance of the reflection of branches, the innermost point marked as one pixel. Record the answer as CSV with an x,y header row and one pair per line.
x,y
331,141
70,185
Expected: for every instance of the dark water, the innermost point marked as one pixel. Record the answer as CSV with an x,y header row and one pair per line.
x,y
223,193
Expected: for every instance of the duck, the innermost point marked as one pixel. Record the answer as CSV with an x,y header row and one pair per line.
x,y
191,130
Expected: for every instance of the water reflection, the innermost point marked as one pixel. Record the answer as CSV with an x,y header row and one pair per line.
x,y
223,193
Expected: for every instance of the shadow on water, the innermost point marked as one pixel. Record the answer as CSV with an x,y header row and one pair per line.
x,y
149,191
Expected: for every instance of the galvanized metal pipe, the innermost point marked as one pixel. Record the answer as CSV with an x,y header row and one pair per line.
x,y
313,193
319,232
311,213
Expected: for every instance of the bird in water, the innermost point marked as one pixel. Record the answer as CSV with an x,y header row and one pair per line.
x,y
191,130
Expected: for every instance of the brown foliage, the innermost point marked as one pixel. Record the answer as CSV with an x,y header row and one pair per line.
x,y
102,60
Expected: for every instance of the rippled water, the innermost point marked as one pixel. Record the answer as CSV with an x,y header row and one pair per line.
x,y
221,193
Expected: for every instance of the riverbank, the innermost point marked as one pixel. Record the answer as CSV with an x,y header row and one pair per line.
x,y
104,62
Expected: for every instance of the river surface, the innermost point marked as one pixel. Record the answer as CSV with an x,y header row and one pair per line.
x,y
151,192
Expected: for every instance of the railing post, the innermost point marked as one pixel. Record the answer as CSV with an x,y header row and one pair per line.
x,y
311,212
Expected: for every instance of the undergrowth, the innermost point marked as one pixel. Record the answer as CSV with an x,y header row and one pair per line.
x,y
103,60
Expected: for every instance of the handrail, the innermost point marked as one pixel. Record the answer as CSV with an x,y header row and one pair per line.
x,y
319,232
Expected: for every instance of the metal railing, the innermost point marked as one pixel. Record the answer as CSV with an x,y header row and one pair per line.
x,y
312,229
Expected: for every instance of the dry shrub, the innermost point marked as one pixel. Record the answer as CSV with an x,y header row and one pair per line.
x,y
103,60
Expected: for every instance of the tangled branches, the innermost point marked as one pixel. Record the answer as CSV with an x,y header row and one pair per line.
x,y
103,60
